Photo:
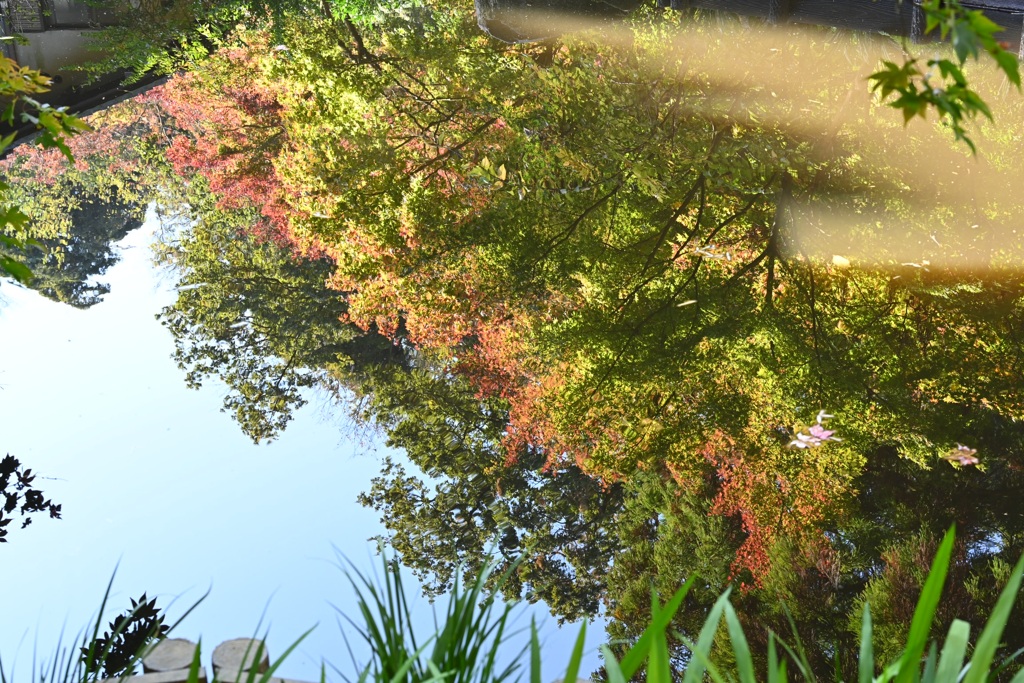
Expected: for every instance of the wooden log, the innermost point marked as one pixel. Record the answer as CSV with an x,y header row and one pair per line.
x,y
243,677
240,655
180,676
171,654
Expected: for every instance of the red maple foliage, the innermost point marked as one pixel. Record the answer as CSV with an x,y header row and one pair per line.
x,y
229,130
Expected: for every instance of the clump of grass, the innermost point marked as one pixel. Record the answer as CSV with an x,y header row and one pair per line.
x,y
463,648
252,675
94,657
465,645
920,662
116,654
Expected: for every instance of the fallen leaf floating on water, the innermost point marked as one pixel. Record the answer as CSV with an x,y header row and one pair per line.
x,y
962,456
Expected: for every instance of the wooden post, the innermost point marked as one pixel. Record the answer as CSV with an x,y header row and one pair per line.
x,y
170,661
172,654
233,658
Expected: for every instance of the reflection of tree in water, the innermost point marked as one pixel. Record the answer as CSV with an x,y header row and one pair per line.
x,y
879,550
65,269
587,318
588,546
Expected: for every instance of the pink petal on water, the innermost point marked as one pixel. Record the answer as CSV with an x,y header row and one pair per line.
x,y
820,432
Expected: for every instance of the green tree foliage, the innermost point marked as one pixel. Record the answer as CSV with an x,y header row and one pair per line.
x,y
73,213
475,498
65,269
610,253
18,85
252,314
970,33
162,37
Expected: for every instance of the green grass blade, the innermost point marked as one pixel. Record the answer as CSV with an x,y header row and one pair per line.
x,y
924,613
611,666
572,673
1004,664
1019,677
988,641
381,629
890,672
170,629
59,660
776,668
866,661
97,626
464,647
659,670
268,674
631,663
402,669
773,659
348,646
800,654
535,675
196,664
929,665
799,660
805,665
695,672
740,647
705,661
436,674
495,635
951,661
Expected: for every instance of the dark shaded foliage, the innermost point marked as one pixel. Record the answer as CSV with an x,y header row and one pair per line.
x,y
64,270
116,653
20,496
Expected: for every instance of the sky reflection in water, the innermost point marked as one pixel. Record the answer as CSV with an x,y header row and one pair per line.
x,y
152,475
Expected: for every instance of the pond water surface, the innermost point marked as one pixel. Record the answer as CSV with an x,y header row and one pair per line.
x,y
680,297
156,482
